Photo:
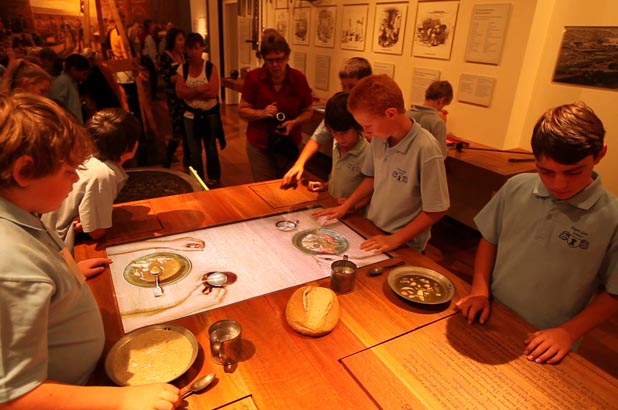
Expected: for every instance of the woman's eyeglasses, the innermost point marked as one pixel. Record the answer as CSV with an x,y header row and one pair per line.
x,y
277,60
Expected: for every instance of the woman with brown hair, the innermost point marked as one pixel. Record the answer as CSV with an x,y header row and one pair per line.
x,y
276,100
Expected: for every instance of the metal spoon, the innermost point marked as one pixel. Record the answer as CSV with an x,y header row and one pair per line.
x,y
199,385
379,269
156,271
216,278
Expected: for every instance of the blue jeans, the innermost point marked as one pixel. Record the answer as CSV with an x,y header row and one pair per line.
x,y
203,128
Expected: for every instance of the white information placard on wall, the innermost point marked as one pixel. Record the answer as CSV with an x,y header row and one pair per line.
x,y
322,72
476,89
299,61
487,32
421,78
384,68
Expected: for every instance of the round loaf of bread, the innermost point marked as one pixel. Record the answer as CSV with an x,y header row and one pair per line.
x,y
313,311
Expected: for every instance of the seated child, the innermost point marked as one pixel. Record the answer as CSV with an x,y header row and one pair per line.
x,y
432,115
349,149
88,208
549,239
52,333
404,173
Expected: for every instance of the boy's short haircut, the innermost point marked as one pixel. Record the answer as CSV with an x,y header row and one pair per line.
x,y
568,133
114,132
22,74
77,61
375,94
355,67
336,115
193,39
439,89
273,43
37,127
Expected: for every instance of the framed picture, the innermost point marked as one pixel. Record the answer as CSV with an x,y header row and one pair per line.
x,y
390,27
282,21
281,4
354,27
324,22
579,65
302,18
434,29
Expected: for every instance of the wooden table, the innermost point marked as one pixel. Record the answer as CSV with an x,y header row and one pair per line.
x,y
475,176
281,369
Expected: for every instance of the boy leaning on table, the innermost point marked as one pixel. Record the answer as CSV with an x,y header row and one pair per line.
x,y
88,208
404,172
51,333
551,240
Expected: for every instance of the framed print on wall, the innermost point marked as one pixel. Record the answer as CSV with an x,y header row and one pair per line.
x,y
282,21
300,26
434,29
324,22
390,27
354,27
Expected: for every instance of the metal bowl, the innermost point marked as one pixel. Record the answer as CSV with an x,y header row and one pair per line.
x,y
407,281
156,355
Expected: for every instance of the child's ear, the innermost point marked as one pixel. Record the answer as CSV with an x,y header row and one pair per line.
x,y
391,113
601,154
21,170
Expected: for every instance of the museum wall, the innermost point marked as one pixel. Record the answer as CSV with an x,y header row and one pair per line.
x,y
522,78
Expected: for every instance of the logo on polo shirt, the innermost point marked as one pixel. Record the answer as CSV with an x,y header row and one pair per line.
x,y
575,238
400,175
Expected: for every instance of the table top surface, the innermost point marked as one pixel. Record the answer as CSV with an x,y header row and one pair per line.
x,y
279,368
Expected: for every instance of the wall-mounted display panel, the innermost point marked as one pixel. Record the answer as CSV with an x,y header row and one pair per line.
x,y
390,27
354,27
435,29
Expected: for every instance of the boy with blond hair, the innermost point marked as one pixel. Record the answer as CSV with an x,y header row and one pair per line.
x,y
51,332
549,249
404,174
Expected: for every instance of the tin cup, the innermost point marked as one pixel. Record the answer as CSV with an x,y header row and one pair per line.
x,y
225,341
342,275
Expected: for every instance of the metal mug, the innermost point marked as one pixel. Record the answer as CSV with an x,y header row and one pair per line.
x,y
342,275
225,341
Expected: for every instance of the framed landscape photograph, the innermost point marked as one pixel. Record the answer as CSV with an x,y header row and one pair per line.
x,y
324,22
434,29
588,57
300,26
354,27
390,26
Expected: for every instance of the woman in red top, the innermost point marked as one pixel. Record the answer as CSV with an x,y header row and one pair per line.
x,y
276,100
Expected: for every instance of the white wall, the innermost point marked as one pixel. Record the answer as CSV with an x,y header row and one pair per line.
x,y
523,88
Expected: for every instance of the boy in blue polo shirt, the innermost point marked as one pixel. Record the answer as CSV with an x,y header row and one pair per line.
x,y
550,240
51,334
404,172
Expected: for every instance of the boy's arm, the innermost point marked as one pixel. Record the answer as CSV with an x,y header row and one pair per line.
x,y
362,191
51,395
551,345
296,172
385,243
478,299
